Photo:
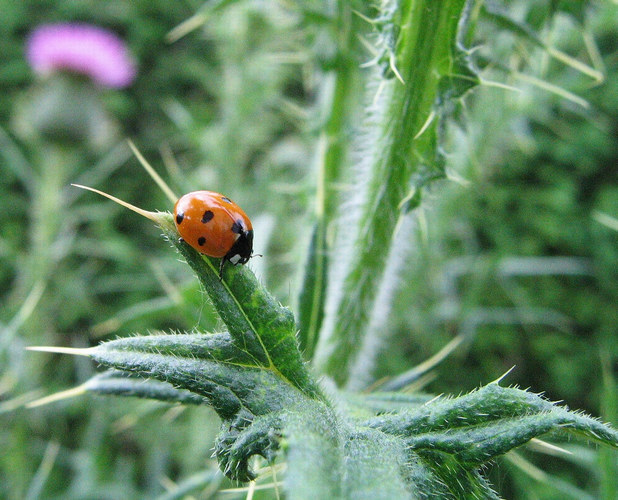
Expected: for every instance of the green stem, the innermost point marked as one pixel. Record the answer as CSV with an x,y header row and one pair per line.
x,y
403,158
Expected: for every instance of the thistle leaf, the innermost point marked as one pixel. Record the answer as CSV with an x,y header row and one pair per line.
x,y
257,323
454,437
250,375
382,446
430,449
329,458
118,383
486,423
208,365
313,290
249,398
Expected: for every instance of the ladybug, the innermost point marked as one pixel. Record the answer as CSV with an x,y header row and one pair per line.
x,y
215,226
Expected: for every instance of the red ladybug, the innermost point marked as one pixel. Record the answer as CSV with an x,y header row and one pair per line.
x,y
215,226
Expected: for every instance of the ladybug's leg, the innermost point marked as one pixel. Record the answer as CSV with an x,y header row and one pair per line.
x,y
221,268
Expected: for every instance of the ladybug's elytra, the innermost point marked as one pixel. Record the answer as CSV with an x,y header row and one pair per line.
x,y
215,226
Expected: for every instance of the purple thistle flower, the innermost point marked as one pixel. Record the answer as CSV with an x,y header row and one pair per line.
x,y
81,48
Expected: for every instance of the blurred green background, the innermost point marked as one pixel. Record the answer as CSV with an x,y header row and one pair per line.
x,y
517,252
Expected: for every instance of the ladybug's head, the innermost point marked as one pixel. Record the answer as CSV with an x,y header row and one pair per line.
x,y
241,250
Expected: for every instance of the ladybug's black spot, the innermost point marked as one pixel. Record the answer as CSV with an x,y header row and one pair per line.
x,y
226,199
207,217
201,240
238,227
179,217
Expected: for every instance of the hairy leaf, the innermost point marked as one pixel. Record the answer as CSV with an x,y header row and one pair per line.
x,y
382,446
257,323
208,365
455,436
249,398
311,298
119,383
434,449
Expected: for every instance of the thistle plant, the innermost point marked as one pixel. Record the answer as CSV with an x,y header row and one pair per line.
x,y
336,444
286,385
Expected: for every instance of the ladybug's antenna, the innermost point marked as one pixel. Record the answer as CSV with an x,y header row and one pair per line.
x,y
151,171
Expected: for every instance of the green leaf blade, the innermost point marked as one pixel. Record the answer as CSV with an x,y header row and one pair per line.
x,y
229,385
256,321
480,426
118,383
313,291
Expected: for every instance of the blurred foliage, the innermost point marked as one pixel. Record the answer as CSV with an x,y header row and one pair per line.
x,y
75,270
233,105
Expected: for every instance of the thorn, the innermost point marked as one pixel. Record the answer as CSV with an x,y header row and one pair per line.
x,y
153,216
550,87
393,67
425,126
76,351
151,171
59,396
364,17
378,94
10,405
433,400
499,379
549,448
499,85
367,44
